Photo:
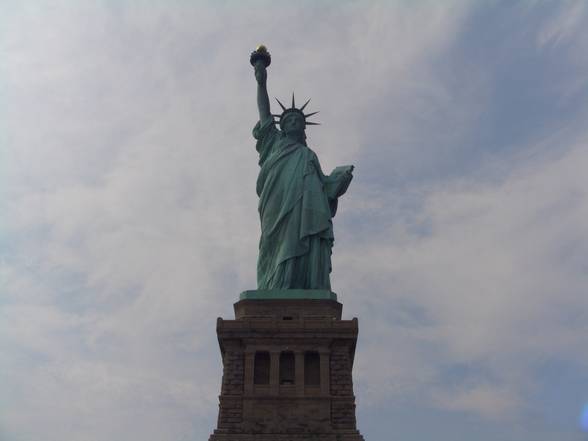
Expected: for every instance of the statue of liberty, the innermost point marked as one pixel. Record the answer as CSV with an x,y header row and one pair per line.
x,y
297,201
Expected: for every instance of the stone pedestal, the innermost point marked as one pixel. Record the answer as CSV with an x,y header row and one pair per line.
x,y
287,371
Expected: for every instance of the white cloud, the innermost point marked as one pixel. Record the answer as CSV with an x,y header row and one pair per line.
x,y
564,24
487,400
130,212
497,283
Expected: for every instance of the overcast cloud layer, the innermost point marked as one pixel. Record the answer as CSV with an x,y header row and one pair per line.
x,y
129,218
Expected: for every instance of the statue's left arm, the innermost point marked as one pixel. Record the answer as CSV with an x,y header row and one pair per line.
x,y
336,184
338,181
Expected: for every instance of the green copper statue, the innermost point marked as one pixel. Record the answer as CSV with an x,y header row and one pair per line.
x,y
297,201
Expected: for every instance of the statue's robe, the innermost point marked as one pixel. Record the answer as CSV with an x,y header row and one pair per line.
x,y
296,209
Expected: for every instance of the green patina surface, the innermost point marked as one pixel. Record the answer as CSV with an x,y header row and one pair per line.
x,y
283,294
297,201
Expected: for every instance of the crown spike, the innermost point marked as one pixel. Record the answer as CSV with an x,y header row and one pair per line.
x,y
308,123
311,113
281,105
302,108
293,102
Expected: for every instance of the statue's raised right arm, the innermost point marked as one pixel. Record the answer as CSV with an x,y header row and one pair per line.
x,y
263,103
260,59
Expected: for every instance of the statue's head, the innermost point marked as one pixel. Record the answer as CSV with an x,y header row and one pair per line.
x,y
293,121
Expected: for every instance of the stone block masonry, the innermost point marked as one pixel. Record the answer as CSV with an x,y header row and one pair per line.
x,y
302,386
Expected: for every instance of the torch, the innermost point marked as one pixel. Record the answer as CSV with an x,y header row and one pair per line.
x,y
260,56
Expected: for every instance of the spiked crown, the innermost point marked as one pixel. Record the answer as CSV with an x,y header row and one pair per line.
x,y
293,109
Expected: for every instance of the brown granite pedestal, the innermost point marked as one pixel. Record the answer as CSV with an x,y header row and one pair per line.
x,y
287,372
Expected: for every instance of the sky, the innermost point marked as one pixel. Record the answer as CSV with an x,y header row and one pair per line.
x,y
128,213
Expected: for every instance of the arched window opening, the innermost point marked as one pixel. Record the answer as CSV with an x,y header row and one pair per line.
x,y
261,371
287,368
312,369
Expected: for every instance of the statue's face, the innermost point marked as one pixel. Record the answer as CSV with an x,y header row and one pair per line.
x,y
293,123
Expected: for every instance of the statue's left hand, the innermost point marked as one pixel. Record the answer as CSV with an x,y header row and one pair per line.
x,y
338,181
